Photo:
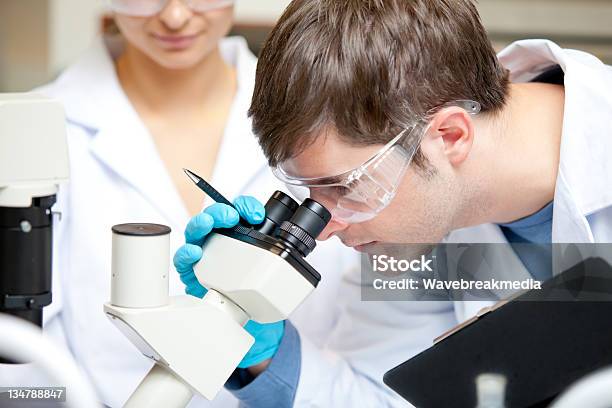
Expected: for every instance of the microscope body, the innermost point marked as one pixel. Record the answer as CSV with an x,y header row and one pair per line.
x,y
267,281
251,272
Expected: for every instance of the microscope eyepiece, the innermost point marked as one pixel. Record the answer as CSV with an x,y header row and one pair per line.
x,y
305,226
279,208
284,199
295,225
312,217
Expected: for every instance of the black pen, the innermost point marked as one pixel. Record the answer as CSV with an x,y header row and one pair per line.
x,y
207,188
213,193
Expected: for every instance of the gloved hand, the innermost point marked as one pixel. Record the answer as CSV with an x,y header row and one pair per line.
x,y
267,336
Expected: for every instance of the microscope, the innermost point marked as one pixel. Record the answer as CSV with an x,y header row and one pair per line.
x,y
33,162
252,272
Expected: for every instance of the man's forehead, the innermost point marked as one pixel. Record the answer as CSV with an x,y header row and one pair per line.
x,y
328,155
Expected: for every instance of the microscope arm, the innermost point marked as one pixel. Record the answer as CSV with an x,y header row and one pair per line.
x,y
194,344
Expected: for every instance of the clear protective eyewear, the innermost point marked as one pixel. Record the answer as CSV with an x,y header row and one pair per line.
x,y
360,194
146,8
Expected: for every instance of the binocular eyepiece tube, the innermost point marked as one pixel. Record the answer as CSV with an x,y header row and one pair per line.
x,y
296,225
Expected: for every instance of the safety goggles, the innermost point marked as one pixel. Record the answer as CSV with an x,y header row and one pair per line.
x,y
146,8
360,194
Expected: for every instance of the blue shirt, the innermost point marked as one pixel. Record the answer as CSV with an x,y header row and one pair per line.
x,y
277,384
533,236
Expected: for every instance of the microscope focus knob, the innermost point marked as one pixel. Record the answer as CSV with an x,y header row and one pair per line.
x,y
297,236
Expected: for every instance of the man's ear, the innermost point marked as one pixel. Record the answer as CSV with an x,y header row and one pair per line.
x,y
455,128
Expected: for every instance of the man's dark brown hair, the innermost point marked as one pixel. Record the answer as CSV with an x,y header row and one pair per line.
x,y
366,69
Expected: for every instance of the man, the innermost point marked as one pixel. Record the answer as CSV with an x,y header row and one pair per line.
x,y
398,116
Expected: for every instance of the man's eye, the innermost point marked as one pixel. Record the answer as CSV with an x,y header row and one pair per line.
x,y
340,190
331,192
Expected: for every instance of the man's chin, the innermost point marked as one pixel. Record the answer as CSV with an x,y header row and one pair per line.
x,y
371,248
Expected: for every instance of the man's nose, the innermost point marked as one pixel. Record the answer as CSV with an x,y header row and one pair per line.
x,y
332,229
175,15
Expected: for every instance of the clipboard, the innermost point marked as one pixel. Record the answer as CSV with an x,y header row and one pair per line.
x,y
540,345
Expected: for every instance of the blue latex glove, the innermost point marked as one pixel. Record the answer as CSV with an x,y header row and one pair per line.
x,y
267,336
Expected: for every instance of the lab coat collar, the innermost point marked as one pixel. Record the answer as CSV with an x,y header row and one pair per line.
x,y
585,171
94,99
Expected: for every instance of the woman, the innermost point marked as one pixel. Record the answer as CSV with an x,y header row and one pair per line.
x,y
169,92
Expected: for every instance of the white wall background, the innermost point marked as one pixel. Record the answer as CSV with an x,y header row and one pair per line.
x,y
259,11
38,38
23,42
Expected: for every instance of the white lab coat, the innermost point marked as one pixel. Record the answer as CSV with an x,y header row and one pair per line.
x,y
117,176
583,191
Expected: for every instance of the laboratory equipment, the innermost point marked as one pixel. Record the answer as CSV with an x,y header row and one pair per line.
x,y
491,390
360,194
251,273
33,163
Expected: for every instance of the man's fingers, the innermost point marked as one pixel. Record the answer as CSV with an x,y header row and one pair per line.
x,y
216,216
186,257
223,215
250,209
198,227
